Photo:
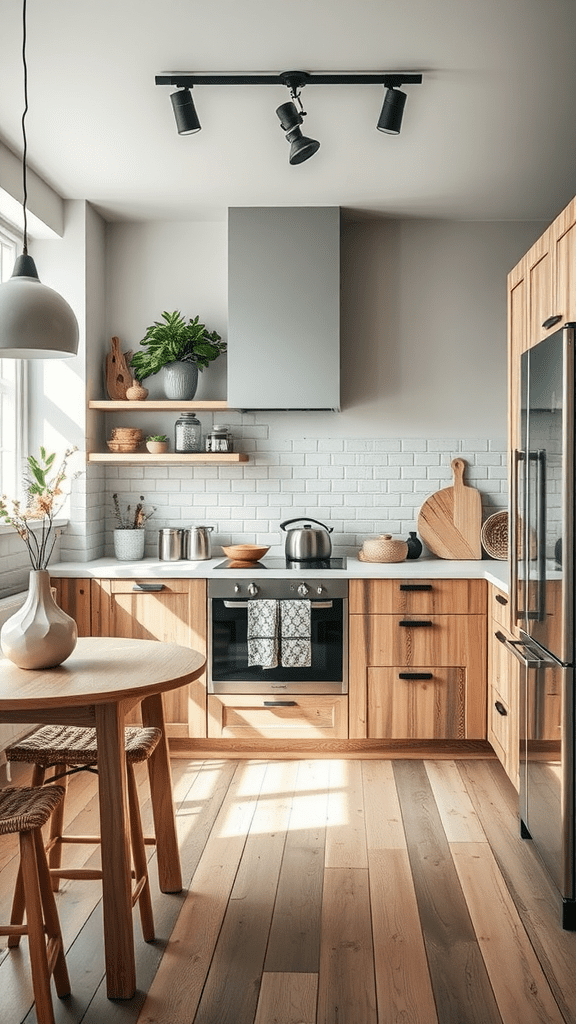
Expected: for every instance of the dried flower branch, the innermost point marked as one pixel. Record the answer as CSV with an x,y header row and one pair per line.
x,y
44,499
131,519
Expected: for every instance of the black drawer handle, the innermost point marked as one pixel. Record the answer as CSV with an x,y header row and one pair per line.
x,y
148,587
415,586
501,599
415,622
500,636
551,320
279,703
415,675
500,708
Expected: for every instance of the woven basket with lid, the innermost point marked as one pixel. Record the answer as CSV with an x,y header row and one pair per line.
x,y
384,548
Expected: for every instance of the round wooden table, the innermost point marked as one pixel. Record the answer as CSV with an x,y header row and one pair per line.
x,y
101,681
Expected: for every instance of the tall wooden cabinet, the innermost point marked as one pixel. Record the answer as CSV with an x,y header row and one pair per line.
x,y
503,687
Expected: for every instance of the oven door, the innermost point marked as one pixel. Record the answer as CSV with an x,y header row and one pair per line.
x,y
228,670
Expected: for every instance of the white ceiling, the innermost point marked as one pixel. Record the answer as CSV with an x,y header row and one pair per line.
x,y
489,135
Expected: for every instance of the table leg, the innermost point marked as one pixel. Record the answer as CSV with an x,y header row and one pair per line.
x,y
116,863
160,775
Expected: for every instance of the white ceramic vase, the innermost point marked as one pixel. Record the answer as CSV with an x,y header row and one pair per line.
x,y
39,634
180,381
129,545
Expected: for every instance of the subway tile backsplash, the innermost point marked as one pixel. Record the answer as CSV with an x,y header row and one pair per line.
x,y
360,487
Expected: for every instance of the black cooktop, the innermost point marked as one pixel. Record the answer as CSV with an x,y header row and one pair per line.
x,y
285,563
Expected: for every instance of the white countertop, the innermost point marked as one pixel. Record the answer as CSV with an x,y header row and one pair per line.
x,y
418,568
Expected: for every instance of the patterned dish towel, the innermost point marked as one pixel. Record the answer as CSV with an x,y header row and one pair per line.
x,y
295,640
263,633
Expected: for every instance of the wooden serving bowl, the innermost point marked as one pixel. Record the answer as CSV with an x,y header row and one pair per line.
x,y
249,553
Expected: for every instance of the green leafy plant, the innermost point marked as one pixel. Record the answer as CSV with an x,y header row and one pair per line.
x,y
44,499
157,437
176,340
132,517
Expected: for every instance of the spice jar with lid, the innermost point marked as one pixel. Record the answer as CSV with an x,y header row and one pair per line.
x,y
187,433
219,439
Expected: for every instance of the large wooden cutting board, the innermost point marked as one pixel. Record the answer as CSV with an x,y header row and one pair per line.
x,y
450,520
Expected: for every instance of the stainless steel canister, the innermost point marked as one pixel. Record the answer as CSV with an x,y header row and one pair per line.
x,y
197,543
170,544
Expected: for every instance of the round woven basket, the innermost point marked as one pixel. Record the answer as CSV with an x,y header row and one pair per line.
x,y
494,535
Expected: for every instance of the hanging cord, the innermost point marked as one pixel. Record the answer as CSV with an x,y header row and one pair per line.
x,y
24,138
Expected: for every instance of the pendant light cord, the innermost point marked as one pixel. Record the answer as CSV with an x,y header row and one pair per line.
x,y
24,138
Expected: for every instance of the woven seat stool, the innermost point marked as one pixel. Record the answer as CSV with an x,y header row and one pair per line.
x,y
24,810
67,749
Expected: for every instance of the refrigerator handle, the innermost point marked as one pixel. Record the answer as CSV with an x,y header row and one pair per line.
x,y
540,610
516,647
515,611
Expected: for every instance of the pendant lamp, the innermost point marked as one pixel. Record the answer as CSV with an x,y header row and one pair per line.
x,y
35,321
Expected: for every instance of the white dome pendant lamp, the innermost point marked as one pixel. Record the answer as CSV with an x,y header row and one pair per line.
x,y
35,321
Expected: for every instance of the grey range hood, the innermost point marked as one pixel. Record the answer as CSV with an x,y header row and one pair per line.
x,y
284,308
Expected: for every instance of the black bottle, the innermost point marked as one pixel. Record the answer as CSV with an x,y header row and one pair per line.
x,y
414,545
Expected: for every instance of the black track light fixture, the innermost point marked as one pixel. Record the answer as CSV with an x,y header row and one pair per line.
x,y
390,120
301,147
185,112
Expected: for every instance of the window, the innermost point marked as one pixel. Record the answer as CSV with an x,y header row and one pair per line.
x,y
12,393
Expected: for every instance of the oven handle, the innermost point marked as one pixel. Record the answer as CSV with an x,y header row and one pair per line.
x,y
244,604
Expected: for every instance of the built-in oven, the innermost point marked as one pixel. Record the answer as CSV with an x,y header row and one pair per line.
x,y
229,670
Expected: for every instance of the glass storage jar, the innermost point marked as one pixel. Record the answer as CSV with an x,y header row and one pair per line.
x,y
219,439
187,433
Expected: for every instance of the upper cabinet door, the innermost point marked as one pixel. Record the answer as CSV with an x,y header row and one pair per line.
x,y
284,308
565,261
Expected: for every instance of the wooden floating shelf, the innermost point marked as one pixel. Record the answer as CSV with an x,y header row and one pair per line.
x,y
167,458
154,405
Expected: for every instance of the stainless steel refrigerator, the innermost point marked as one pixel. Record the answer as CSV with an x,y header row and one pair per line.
x,y
542,601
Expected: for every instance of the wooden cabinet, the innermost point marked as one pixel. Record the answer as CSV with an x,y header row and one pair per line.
x,y
417,659
313,717
73,596
542,287
170,610
503,688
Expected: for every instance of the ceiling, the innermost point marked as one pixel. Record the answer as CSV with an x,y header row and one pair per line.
x,y
489,135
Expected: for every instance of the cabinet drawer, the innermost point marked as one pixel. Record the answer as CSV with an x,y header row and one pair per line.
x,y
301,717
420,640
417,596
499,607
499,663
420,703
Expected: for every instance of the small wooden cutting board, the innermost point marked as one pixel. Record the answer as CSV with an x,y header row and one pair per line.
x,y
450,520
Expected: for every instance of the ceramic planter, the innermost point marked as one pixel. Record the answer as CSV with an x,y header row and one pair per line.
x,y
180,381
129,545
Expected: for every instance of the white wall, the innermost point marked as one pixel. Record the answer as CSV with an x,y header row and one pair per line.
x,y
423,346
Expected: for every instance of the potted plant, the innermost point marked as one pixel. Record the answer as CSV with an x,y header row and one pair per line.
x,y
39,634
129,535
157,444
180,348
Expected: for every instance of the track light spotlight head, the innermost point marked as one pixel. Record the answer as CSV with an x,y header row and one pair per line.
x,y
390,120
301,148
185,112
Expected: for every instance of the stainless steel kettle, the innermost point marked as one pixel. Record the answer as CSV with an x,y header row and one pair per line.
x,y
307,544
197,544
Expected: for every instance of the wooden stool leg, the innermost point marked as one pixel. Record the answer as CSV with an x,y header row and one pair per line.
x,y
52,921
139,857
35,926
18,905
57,829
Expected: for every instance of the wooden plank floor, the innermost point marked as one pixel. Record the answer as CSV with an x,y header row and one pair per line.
x,y
322,892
